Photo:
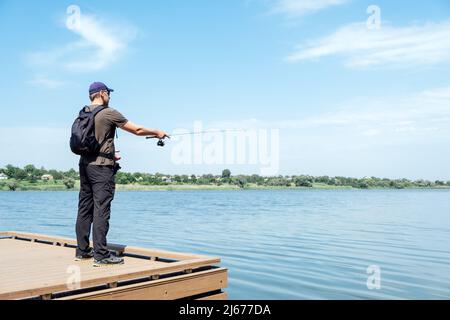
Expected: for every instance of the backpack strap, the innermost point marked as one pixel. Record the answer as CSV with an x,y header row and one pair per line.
x,y
98,110
109,156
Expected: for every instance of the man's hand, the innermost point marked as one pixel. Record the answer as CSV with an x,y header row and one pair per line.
x,y
117,156
161,134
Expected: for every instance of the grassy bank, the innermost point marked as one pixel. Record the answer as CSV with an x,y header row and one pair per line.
x,y
31,178
58,185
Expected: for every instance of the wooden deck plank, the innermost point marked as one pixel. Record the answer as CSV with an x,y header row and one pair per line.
x,y
128,249
87,272
164,289
57,274
37,263
33,268
56,285
27,256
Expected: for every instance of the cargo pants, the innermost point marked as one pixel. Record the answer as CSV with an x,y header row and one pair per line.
x,y
97,187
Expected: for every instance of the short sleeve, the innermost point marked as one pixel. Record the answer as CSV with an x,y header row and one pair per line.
x,y
116,117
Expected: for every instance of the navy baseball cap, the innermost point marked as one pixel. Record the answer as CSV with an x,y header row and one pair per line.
x,y
99,86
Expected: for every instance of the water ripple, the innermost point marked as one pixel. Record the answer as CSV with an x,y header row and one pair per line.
x,y
283,244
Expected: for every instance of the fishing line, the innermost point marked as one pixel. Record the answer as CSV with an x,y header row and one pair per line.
x,y
161,142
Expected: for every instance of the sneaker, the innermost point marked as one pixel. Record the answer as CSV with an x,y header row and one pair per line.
x,y
110,261
85,255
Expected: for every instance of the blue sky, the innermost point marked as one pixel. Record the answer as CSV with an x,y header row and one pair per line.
x,y
348,100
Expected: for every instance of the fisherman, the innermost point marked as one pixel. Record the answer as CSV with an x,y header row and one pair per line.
x,y
97,184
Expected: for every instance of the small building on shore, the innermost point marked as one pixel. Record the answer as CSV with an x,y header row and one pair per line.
x,y
47,177
166,179
3,176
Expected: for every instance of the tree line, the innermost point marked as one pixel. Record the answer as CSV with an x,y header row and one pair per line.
x,y
32,174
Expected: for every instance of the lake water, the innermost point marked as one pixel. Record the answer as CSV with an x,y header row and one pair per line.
x,y
283,244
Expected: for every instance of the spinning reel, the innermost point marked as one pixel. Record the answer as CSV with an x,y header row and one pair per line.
x,y
160,142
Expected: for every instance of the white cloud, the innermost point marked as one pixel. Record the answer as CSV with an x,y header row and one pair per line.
x,y
420,114
398,136
372,132
99,45
441,93
426,44
302,7
46,82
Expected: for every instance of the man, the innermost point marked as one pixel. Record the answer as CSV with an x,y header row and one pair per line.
x,y
97,184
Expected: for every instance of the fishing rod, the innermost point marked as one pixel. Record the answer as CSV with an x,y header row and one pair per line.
x,y
161,142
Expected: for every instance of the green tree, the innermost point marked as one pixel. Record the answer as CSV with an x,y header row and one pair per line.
x,y
33,174
206,179
69,183
10,171
21,174
226,176
362,185
323,179
241,182
124,178
12,185
304,181
72,174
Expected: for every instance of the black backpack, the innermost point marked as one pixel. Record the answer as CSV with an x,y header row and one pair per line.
x,y
82,140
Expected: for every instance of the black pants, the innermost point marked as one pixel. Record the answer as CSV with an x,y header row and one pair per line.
x,y
97,188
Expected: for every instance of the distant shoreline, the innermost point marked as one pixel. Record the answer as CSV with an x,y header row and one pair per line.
x,y
30,178
59,186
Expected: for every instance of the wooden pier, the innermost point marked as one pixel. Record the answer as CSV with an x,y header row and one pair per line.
x,y
42,267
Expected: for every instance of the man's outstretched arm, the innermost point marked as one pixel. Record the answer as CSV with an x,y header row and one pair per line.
x,y
139,130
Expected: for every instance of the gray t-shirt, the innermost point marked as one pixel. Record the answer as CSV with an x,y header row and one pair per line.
x,y
106,122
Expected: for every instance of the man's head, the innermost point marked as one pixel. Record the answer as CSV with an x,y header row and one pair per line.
x,y
99,93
